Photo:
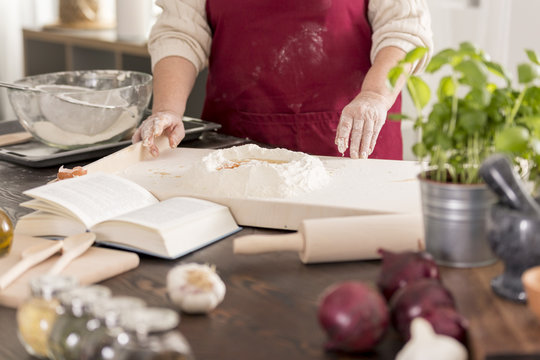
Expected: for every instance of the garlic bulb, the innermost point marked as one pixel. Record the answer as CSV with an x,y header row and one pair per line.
x,y
426,344
195,288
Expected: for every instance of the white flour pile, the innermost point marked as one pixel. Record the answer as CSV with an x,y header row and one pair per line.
x,y
252,171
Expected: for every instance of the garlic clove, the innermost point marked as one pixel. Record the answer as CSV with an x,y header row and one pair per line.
x,y
425,344
195,288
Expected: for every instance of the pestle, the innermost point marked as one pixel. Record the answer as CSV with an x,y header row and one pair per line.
x,y
500,177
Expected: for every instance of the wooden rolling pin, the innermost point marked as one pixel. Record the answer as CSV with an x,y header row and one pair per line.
x,y
341,239
15,138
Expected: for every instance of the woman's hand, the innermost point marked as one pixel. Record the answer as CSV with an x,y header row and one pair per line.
x,y
361,121
162,122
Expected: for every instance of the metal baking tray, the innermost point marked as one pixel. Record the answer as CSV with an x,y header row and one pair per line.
x,y
36,154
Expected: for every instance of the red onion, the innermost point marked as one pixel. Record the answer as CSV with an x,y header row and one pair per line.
x,y
354,316
429,299
400,269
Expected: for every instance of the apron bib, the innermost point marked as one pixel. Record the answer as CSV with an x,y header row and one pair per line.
x,y
281,71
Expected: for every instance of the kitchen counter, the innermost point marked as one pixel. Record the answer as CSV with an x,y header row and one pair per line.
x,y
269,311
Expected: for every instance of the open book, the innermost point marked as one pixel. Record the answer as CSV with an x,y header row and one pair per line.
x,y
123,214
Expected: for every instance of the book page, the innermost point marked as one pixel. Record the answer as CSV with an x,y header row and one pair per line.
x,y
170,213
41,223
95,197
48,208
169,229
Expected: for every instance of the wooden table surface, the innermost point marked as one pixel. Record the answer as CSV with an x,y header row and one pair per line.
x,y
270,307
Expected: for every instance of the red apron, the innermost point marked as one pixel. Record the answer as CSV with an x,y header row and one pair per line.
x,y
281,71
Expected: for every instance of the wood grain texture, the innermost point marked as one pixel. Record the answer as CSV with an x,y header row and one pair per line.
x,y
270,307
105,263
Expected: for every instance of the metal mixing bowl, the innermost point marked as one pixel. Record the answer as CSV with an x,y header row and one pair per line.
x,y
75,109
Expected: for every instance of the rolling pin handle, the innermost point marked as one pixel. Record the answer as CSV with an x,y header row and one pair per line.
x,y
258,244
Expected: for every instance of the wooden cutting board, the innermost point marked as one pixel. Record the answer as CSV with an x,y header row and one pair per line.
x,y
357,187
95,265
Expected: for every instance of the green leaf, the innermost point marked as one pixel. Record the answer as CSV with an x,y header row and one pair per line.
x,y
444,141
415,55
397,117
473,121
467,47
473,73
501,98
496,69
435,64
447,88
491,87
460,138
526,73
419,91
439,117
442,109
418,123
535,146
478,98
532,123
394,74
456,60
429,138
532,99
419,150
532,56
440,59
512,139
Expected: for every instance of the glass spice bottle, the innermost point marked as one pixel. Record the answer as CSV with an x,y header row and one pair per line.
x,y
98,337
150,334
65,339
37,314
6,233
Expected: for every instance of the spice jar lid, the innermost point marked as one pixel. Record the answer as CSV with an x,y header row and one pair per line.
x,y
149,319
109,309
50,286
83,296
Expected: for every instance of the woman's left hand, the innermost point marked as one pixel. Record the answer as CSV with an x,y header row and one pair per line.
x,y
361,121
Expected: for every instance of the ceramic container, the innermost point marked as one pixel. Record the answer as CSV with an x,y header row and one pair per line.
x,y
531,283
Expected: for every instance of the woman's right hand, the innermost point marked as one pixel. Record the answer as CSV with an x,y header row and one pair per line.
x,y
162,122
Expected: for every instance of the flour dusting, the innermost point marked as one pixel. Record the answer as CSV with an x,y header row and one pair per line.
x,y
252,171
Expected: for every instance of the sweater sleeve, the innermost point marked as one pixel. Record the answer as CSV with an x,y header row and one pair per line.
x,y
181,30
405,24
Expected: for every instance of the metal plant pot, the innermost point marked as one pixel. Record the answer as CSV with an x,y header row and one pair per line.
x,y
455,223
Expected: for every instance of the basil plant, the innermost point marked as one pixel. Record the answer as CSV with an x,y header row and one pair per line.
x,y
478,110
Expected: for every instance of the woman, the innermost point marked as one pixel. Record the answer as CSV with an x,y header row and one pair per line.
x,y
305,75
